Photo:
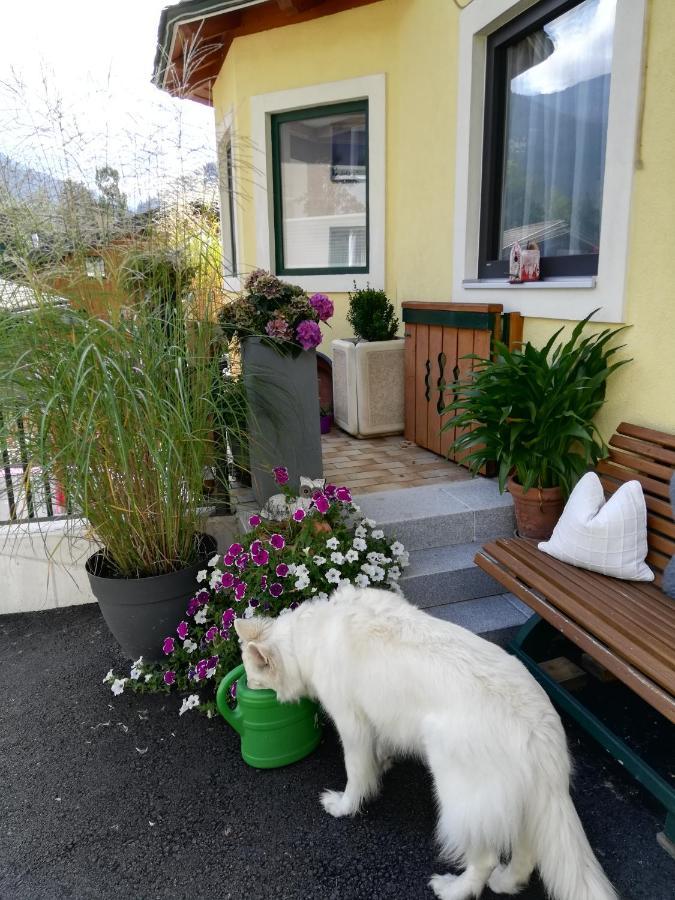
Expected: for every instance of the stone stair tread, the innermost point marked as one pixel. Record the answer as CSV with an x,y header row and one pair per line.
x,y
484,614
434,560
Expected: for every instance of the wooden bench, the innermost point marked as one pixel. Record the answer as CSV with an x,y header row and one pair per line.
x,y
627,627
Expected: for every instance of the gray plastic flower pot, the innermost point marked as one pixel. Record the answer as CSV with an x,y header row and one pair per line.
x,y
141,612
283,425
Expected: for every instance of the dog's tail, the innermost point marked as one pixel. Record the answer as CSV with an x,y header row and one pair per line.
x,y
567,864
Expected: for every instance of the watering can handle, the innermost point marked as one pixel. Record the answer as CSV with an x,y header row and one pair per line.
x,y
233,716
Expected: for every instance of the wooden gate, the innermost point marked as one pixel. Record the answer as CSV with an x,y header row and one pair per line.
x,y
437,337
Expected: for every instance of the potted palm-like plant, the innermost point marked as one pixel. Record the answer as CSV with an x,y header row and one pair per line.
x,y
531,412
122,414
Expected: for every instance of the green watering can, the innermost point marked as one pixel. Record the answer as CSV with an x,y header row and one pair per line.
x,y
273,734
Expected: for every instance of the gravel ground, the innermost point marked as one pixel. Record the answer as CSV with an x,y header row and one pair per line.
x,y
104,797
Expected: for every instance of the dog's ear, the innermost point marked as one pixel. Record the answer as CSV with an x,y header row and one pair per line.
x,y
261,654
249,629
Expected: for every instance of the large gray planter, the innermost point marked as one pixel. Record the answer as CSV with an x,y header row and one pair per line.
x,y
141,612
283,426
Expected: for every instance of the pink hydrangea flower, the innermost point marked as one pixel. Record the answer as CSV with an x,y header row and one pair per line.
x,y
323,306
308,334
279,329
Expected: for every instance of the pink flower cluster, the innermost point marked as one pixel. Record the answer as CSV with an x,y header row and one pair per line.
x,y
323,306
308,334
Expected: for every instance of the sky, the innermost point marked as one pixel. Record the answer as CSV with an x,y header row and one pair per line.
x,y
75,92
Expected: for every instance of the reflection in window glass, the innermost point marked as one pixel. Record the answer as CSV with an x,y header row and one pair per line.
x,y
557,98
321,189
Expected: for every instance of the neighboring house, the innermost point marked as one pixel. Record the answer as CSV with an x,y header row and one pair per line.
x,y
406,143
19,298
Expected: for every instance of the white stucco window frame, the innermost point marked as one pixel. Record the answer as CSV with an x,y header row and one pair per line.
x,y
225,129
371,88
558,298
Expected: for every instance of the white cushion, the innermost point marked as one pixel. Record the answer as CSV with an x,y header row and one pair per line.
x,y
607,537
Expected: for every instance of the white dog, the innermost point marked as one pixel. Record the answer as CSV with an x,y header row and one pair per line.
x,y
398,681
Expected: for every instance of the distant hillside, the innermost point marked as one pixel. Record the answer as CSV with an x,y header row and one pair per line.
x,y
24,183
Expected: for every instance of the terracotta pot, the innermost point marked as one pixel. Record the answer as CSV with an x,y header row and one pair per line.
x,y
537,510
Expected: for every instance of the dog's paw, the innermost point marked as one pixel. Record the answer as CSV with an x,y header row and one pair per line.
x,y
442,886
502,881
337,804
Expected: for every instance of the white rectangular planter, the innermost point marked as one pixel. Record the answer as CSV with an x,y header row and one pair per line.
x,y
368,386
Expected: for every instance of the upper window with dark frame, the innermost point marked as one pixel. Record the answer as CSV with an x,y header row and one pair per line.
x,y
320,188
546,110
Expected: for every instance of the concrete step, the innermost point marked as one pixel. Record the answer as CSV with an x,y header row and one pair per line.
x,y
485,614
442,515
441,575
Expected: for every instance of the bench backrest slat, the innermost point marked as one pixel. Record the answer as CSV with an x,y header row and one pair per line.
x,y
647,456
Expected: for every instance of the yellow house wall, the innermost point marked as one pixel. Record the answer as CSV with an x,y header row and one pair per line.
x,y
414,42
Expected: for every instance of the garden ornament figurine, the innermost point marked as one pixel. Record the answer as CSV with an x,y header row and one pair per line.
x,y
280,506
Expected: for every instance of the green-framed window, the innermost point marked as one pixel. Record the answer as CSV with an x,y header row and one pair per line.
x,y
320,189
227,211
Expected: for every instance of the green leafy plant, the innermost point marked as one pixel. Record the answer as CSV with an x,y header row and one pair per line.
x,y
121,414
531,410
371,315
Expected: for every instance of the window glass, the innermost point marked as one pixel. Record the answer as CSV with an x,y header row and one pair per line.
x,y
321,189
554,83
227,212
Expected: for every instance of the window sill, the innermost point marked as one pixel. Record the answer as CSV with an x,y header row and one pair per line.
x,y
582,281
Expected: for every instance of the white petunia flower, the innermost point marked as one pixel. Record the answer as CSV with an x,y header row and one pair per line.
x,y
200,615
301,571
211,672
291,568
189,646
307,551
319,560
248,612
117,686
359,544
322,595
214,561
302,583
378,573
404,559
374,557
393,574
189,703
397,548
201,575
109,677
360,531
333,576
214,580
136,669
368,522
148,677
332,543
377,535
337,558
362,581
351,555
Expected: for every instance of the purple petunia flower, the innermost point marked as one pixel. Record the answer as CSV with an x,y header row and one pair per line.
x,y
225,633
260,559
254,521
182,630
240,590
344,495
263,582
202,597
323,306
277,542
213,662
242,560
299,515
253,603
228,618
308,334
322,503
281,475
329,490
191,673
168,645
201,667
235,550
228,559
211,634
192,607
281,570
256,547
227,579
276,589
294,605
169,677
